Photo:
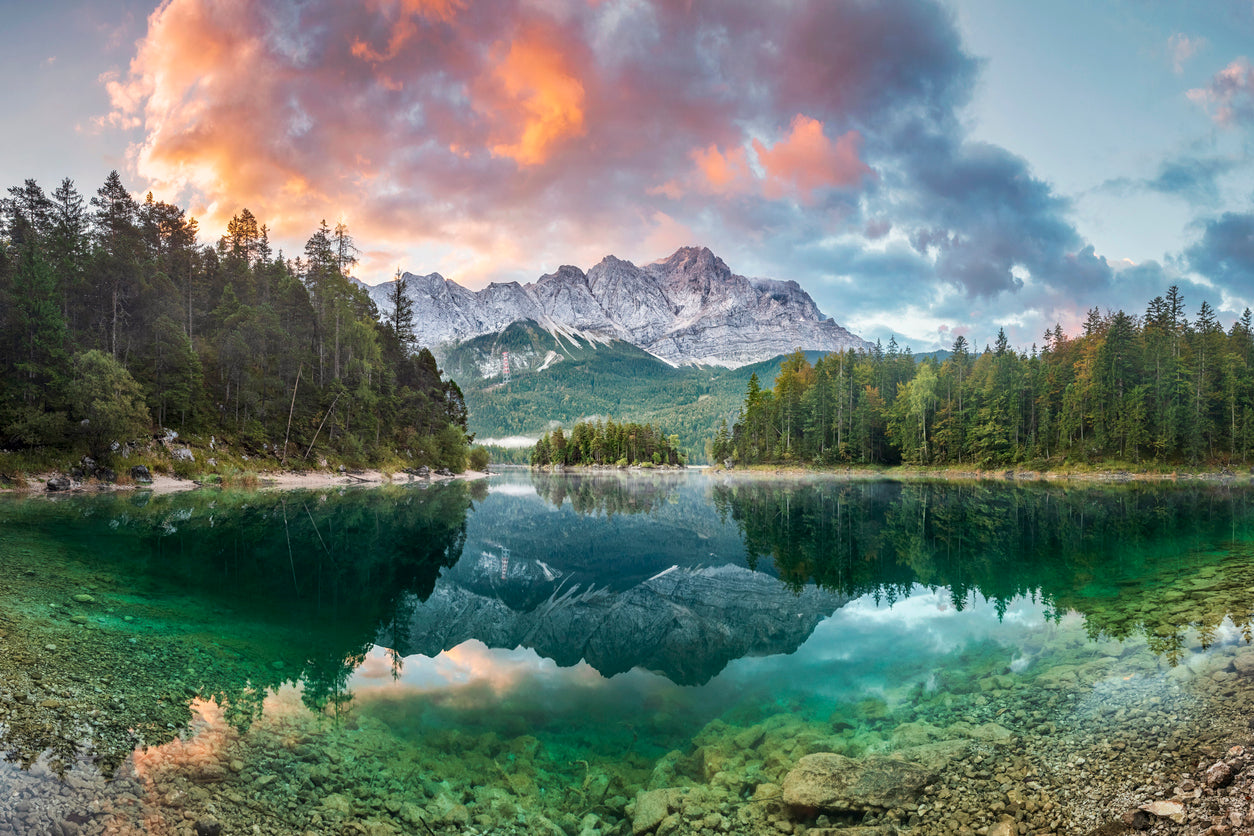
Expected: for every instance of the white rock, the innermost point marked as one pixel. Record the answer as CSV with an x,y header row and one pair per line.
x,y
1173,810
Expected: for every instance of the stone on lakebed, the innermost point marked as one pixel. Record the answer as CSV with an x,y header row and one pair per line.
x,y
827,781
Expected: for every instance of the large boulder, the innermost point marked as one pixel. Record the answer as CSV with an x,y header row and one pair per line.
x,y
831,782
60,482
652,807
141,474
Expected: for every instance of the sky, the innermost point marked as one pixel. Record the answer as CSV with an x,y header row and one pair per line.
x,y
923,168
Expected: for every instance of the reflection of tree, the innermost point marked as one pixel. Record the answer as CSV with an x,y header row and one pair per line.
x,y
605,493
1125,557
279,586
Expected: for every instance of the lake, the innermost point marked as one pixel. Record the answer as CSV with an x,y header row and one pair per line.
x,y
594,654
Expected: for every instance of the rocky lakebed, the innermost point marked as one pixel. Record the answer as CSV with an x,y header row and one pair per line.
x,y
109,733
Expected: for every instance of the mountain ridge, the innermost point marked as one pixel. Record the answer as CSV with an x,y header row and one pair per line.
x,y
686,309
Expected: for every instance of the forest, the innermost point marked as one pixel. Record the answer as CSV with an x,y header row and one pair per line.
x,y
607,442
1158,388
116,326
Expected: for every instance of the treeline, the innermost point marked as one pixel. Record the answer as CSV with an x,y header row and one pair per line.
x,y
115,322
1130,388
593,443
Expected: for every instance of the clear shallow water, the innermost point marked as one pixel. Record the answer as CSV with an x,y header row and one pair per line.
x,y
530,654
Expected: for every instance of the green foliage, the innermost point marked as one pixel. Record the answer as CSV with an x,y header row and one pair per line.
x,y
589,380
598,443
478,459
275,358
107,401
1129,389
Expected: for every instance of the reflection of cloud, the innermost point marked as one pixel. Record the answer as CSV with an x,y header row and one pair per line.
x,y
511,489
471,666
205,745
867,646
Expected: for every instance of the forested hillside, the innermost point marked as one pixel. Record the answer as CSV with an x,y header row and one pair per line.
x,y
590,380
1130,388
115,324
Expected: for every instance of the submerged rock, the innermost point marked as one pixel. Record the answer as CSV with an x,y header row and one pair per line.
x,y
652,808
1173,810
827,781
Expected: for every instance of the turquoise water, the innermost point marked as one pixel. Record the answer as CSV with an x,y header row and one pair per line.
x,y
571,653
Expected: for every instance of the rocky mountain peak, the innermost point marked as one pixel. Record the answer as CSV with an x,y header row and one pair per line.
x,y
686,308
566,274
432,284
694,262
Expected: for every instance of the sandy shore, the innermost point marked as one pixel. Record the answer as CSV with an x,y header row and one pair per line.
x,y
275,480
1219,475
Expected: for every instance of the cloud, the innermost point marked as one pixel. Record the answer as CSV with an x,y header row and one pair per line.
x,y
1190,178
982,215
806,160
534,98
1182,48
1225,253
1230,95
1193,178
486,140
722,173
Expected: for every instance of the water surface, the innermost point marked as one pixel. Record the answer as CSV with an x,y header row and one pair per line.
x,y
532,653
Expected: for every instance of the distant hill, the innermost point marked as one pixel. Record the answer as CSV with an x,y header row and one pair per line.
x,y
565,378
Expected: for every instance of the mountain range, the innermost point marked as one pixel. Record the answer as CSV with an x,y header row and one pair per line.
x,y
688,309
686,623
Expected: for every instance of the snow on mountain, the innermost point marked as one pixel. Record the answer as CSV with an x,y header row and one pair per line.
x,y
685,309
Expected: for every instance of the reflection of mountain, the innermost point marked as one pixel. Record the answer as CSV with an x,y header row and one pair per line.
x,y
605,529
685,623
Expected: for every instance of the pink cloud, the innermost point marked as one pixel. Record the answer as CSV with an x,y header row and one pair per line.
x,y
1182,48
453,131
1230,95
806,160
723,173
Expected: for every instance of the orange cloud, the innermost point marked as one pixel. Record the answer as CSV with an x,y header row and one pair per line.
x,y
535,100
404,27
807,160
796,166
447,129
723,173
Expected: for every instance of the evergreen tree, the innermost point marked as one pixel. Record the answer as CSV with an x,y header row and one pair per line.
x,y
401,311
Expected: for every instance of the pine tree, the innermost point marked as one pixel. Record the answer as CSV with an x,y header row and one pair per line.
x,y
402,311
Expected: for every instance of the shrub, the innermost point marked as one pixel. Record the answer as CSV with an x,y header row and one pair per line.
x,y
478,459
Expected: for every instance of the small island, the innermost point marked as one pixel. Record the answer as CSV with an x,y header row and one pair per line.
x,y
607,444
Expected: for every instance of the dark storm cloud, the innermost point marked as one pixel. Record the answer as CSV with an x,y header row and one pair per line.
x,y
1225,253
